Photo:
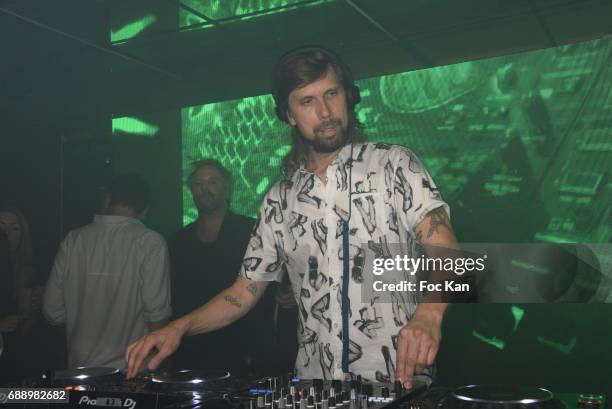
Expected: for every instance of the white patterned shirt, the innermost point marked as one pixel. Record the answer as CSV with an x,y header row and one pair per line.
x,y
299,230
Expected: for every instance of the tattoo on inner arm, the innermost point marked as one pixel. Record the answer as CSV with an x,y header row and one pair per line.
x,y
252,288
438,218
233,300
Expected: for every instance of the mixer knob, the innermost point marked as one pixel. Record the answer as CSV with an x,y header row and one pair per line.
x,y
310,401
384,391
331,402
344,396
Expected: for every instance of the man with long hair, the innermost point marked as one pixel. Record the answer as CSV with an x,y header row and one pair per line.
x,y
338,194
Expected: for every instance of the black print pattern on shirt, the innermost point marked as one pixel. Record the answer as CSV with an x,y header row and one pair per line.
x,y
367,212
434,191
319,232
402,186
319,309
355,352
304,293
342,216
273,211
358,264
284,187
251,263
326,358
341,178
361,152
307,340
389,183
380,250
304,195
370,321
281,255
390,366
399,306
315,278
382,146
296,228
366,186
392,219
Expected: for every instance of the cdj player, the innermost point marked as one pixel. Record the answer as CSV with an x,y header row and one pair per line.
x,y
108,388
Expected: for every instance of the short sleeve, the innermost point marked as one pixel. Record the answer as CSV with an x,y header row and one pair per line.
x,y
265,259
415,193
155,278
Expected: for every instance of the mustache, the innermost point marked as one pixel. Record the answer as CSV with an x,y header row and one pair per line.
x,y
331,122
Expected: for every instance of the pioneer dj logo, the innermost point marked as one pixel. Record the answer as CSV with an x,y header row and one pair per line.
x,y
108,402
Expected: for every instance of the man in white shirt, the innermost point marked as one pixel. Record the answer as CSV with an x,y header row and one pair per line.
x,y
110,282
338,194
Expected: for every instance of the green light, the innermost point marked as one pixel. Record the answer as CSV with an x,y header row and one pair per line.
x,y
494,342
134,126
240,10
528,266
518,313
132,29
563,348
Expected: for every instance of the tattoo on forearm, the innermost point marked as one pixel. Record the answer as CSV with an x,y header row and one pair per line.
x,y
233,300
252,288
437,218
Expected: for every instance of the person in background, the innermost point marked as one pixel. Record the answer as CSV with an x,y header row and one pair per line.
x,y
110,282
205,256
21,297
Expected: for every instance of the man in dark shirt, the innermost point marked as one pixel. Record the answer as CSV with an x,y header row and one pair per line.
x,y
205,256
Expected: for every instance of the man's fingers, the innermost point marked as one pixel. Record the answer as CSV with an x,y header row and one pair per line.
x,y
160,356
414,344
421,361
133,353
431,355
400,357
142,353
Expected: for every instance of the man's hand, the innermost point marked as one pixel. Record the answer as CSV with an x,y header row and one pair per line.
x,y
166,340
418,342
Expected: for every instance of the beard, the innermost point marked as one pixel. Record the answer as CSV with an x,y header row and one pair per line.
x,y
322,144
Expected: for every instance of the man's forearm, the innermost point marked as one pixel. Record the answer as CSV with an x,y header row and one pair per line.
x,y
226,307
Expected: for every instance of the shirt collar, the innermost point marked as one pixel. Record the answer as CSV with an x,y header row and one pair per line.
x,y
111,219
343,154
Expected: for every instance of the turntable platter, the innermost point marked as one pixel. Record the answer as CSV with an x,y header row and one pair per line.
x,y
190,377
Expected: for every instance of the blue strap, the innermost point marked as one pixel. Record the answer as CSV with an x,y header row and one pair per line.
x,y
345,272
345,297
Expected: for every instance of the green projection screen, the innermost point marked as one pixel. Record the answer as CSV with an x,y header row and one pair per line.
x,y
526,136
